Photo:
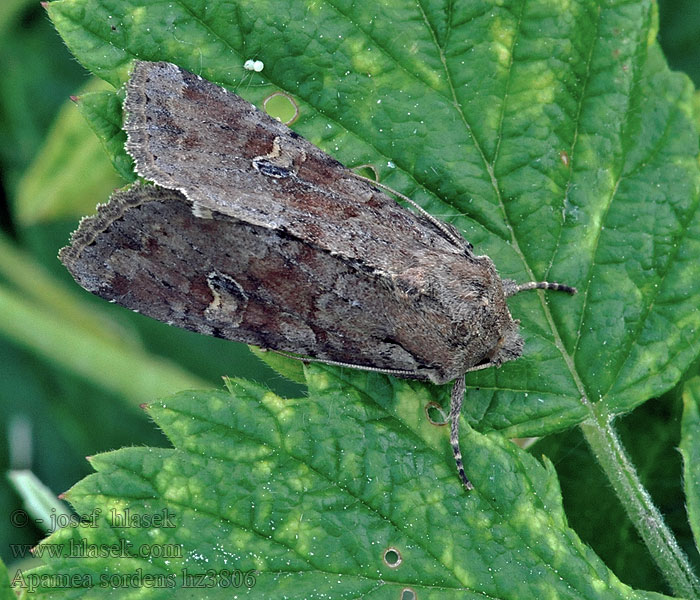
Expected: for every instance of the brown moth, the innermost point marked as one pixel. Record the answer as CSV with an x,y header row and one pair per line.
x,y
254,234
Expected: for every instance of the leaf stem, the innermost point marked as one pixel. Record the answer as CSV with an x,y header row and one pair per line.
x,y
640,508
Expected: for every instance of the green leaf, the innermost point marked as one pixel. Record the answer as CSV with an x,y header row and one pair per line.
x,y
290,368
102,111
311,493
40,502
6,592
554,136
70,174
690,449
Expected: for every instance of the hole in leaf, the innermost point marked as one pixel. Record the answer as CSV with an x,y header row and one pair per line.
x,y
435,414
367,171
408,594
392,558
564,158
282,107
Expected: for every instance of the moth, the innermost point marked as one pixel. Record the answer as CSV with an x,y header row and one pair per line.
x,y
251,233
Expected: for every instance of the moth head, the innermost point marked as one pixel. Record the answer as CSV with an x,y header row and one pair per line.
x,y
509,346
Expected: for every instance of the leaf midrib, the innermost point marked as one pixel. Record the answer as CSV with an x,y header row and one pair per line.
x,y
568,359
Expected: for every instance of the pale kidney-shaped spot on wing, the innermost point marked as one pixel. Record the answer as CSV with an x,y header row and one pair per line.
x,y
229,300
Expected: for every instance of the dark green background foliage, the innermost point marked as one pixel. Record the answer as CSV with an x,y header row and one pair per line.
x,y
619,221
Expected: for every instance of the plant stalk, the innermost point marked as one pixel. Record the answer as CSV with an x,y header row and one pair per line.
x,y
640,508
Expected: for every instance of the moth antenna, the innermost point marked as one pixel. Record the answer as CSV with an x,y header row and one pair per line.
x,y
511,288
457,240
456,398
336,363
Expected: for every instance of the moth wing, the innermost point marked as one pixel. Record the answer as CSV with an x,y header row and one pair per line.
x,y
188,134
220,276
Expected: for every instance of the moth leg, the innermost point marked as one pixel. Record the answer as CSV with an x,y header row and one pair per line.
x,y
336,363
510,287
456,398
